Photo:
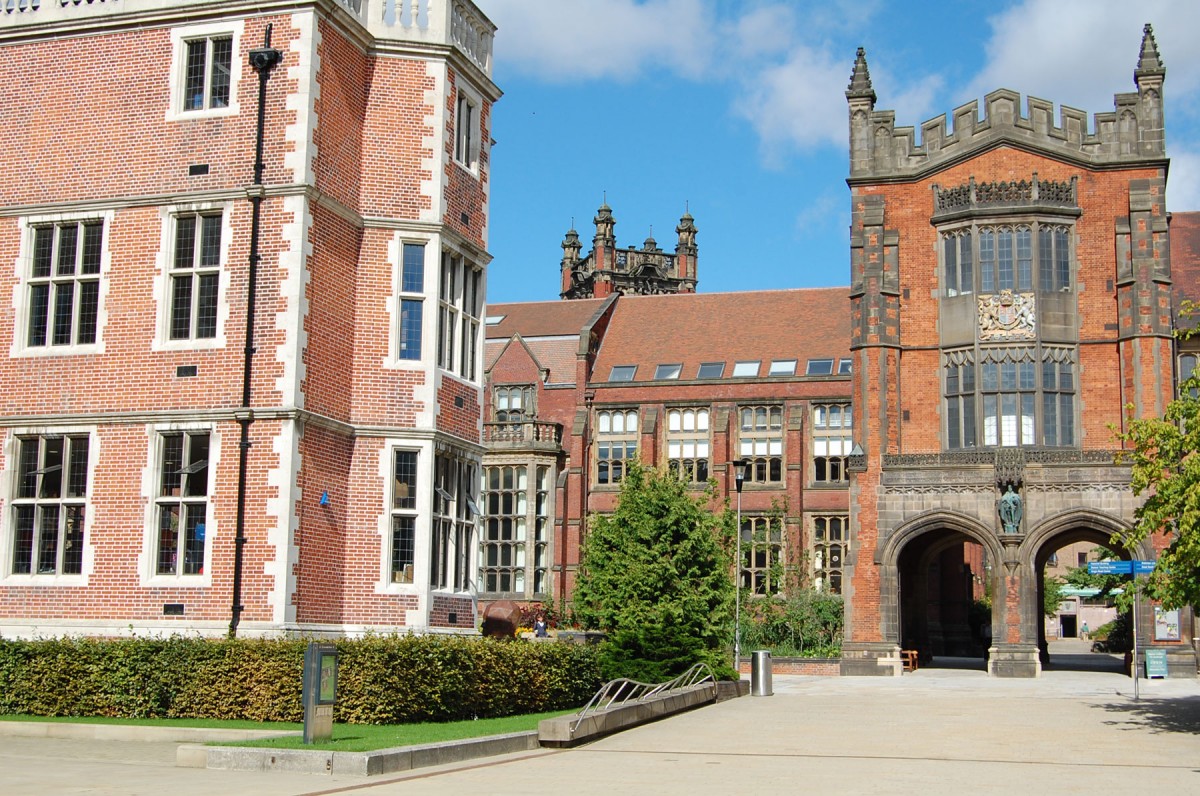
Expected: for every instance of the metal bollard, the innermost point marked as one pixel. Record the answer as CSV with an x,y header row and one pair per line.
x,y
760,673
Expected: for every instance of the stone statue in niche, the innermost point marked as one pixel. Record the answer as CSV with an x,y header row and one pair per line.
x,y
1010,510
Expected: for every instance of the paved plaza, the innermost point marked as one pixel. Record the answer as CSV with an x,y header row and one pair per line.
x,y
935,731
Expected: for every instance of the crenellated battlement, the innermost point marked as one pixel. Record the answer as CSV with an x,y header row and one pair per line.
x,y
1133,131
457,23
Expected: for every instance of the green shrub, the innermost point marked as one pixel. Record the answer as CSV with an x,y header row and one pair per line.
x,y
807,624
381,679
1115,636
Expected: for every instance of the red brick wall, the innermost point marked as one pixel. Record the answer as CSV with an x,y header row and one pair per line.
x,y
461,421
1103,197
395,130
323,556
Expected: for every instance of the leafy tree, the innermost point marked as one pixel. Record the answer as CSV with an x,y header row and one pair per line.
x,y
655,578
1166,471
1052,594
1080,578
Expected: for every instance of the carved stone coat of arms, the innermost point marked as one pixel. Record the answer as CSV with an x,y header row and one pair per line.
x,y
1007,316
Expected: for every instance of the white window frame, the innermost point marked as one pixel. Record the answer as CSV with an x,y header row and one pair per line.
x,y
762,534
22,296
454,526
177,109
762,445
164,272
688,443
819,548
468,142
12,448
832,439
461,285
422,526
607,436
406,512
531,503
152,493
406,295
427,297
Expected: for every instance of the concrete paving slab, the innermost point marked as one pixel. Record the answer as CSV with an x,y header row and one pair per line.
x,y
932,732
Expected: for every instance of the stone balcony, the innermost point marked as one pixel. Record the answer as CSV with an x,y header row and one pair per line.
x,y
529,435
456,23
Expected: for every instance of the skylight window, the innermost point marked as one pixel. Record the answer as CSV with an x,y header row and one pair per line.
x,y
622,373
782,367
820,367
844,367
711,370
745,370
493,320
667,371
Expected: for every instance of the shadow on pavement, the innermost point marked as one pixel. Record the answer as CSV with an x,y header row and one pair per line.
x,y
1178,714
1086,662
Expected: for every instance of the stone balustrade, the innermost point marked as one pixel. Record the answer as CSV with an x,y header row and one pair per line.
x,y
457,23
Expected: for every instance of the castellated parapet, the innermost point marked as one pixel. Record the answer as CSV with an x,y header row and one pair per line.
x,y
1132,132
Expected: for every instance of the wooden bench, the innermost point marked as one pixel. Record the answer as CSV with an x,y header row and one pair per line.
x,y
909,657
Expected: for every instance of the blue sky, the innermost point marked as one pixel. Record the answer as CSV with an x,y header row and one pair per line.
x,y
736,109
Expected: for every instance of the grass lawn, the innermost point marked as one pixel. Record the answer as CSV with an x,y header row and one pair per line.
x,y
346,737
368,737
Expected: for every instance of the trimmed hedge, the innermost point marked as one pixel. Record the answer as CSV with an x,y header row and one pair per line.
x,y
381,679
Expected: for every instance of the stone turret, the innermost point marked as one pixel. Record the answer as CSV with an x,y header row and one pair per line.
x,y
609,269
570,260
685,248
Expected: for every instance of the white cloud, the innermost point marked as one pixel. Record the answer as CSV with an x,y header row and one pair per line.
x,y
828,210
1081,52
1183,184
569,40
799,103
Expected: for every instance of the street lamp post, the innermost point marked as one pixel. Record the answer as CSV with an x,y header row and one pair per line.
x,y
739,478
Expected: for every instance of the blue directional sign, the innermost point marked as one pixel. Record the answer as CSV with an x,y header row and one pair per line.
x,y
1120,567
1110,567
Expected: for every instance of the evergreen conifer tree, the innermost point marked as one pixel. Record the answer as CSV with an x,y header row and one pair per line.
x,y
655,577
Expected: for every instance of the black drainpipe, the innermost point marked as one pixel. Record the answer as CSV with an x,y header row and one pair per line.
x,y
263,60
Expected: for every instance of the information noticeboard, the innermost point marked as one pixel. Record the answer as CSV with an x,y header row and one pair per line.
x,y
1166,624
1156,663
319,691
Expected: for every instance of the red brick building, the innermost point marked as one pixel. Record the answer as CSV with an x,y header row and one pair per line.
x,y
1010,295
685,381
160,468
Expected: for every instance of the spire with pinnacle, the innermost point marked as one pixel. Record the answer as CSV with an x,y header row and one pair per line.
x,y
860,80
1148,61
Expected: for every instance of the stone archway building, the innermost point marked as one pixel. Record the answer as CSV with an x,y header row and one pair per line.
x,y
1010,296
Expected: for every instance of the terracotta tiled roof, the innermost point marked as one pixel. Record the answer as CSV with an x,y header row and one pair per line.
x,y
558,356
1185,258
541,318
689,329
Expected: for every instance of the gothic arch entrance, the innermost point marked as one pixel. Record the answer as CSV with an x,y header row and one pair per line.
x,y
1082,525
943,569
